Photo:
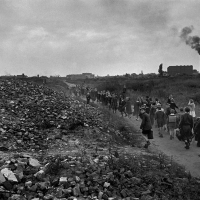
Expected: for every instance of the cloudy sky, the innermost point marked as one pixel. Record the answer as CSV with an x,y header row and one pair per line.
x,y
51,37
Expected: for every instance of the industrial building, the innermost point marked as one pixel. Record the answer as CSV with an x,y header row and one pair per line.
x,y
180,69
80,76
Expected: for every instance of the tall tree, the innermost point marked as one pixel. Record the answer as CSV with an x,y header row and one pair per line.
x,y
160,70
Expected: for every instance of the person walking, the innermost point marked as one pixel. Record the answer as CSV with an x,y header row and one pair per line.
x,y
147,108
114,103
172,124
186,126
179,115
146,126
137,105
167,113
169,99
148,102
160,118
152,113
197,131
122,107
192,108
157,101
173,105
88,97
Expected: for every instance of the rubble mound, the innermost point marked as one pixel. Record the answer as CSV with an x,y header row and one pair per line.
x,y
94,177
28,111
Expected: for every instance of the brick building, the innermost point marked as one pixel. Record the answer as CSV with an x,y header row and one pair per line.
x,y
180,69
80,76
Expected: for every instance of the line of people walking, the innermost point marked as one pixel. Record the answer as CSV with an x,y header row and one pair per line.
x,y
183,123
180,122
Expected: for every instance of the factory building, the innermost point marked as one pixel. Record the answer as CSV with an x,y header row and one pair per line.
x,y
180,69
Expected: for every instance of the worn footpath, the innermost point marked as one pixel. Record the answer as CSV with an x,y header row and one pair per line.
x,y
174,149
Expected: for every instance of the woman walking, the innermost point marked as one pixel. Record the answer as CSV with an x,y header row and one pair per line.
x,y
172,124
192,108
152,113
137,105
146,126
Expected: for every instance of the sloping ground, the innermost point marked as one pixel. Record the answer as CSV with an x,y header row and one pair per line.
x,y
59,148
174,149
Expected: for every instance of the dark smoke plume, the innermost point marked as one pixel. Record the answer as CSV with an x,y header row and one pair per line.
x,y
192,41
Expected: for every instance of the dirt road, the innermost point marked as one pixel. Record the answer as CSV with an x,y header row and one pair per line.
x,y
172,148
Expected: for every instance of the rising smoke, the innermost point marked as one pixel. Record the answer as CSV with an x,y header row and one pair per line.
x,y
192,41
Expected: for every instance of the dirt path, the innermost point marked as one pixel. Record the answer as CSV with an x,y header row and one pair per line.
x,y
173,148
190,159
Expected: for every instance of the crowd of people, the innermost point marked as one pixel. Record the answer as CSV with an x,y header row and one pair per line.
x,y
180,122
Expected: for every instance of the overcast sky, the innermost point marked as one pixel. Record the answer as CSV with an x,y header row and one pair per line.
x,y
50,37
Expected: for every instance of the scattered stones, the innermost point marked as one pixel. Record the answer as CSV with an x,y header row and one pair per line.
x,y
106,185
9,175
36,118
34,162
63,180
40,175
2,178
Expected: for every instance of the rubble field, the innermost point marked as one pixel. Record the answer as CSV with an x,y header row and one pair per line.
x,y
55,147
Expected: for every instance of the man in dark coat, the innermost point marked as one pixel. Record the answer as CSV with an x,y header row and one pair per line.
x,y
186,126
145,126
88,97
122,107
160,118
173,105
197,131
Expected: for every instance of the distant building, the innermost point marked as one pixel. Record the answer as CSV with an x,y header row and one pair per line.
x,y
22,76
80,76
88,75
180,69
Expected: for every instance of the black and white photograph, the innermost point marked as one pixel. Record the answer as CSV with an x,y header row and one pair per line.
x,y
99,99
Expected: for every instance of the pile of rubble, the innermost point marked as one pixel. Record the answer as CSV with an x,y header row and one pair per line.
x,y
27,110
94,177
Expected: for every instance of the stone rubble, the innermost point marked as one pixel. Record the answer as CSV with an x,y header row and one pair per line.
x,y
37,120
